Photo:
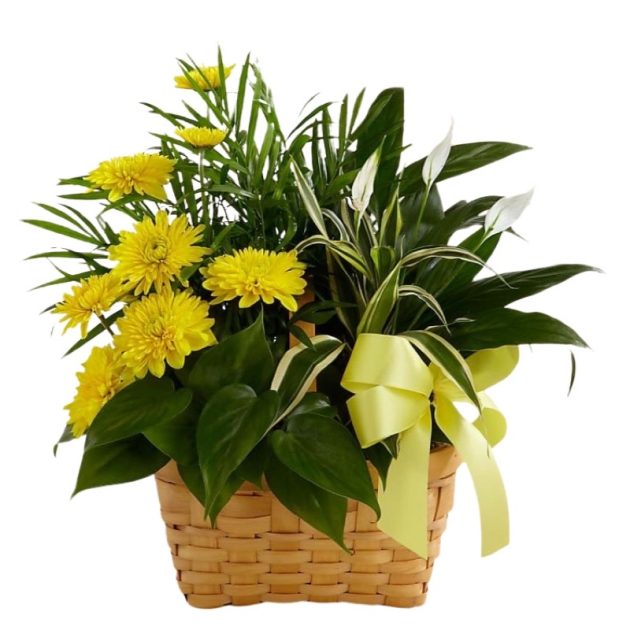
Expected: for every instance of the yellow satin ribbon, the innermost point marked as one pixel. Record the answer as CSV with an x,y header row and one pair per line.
x,y
392,389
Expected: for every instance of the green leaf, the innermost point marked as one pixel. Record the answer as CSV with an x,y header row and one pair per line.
x,y
324,452
60,229
381,459
425,297
141,405
468,157
456,218
176,437
242,358
314,403
309,200
508,327
94,332
447,357
382,126
119,462
573,371
462,159
252,468
66,436
191,476
323,510
225,493
343,249
299,367
380,306
233,421
490,293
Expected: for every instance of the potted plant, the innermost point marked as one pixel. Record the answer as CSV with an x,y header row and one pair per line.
x,y
282,332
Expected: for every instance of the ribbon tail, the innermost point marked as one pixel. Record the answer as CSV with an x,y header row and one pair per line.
x,y
476,453
404,502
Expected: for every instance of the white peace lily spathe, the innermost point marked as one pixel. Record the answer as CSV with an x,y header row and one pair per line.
x,y
436,160
504,213
363,185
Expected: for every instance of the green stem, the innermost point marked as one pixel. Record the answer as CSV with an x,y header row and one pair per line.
x,y
106,326
423,203
204,199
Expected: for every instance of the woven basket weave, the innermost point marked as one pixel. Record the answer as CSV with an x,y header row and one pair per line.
x,y
261,552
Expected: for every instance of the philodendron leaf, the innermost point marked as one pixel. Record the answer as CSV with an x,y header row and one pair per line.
x,y
325,453
119,462
135,409
66,436
322,510
232,422
505,212
299,367
508,327
191,476
436,160
176,437
242,358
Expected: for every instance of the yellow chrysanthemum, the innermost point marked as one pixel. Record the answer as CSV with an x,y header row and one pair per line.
x,y
104,374
93,296
206,78
256,274
163,327
156,252
202,137
144,173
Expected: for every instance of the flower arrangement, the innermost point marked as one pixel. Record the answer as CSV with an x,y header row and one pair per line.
x,y
239,239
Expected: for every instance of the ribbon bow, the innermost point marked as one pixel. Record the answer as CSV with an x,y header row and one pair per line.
x,y
394,392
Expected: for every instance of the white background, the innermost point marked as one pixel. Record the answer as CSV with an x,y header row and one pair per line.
x,y
551,75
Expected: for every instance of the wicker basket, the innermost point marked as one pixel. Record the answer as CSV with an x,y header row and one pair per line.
x,y
261,552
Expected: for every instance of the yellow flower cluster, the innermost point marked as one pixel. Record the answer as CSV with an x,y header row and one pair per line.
x,y
104,374
155,253
144,173
163,327
253,275
163,321
93,296
205,78
202,137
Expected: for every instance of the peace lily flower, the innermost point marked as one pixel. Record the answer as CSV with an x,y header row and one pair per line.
x,y
163,328
144,173
256,274
205,78
104,375
202,137
156,252
92,296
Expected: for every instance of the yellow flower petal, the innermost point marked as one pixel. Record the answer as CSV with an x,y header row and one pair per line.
x,y
202,137
104,375
255,274
93,296
163,328
144,173
156,252
205,78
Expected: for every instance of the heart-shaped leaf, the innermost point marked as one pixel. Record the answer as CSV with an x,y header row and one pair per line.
x,y
136,408
242,358
324,452
119,462
232,422
322,510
